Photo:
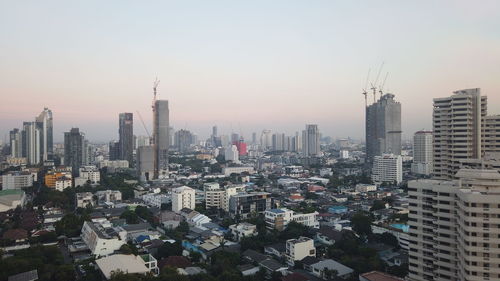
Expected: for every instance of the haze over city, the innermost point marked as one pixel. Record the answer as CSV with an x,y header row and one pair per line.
x,y
251,65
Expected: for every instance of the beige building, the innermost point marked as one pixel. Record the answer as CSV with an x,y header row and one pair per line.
x,y
462,131
183,197
297,249
217,197
454,227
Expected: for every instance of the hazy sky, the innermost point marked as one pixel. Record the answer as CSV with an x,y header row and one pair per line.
x,y
240,64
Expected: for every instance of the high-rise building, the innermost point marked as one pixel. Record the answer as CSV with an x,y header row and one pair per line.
x,y
74,151
387,168
16,143
422,153
278,140
310,141
44,123
126,134
457,124
241,146
234,137
183,140
231,153
114,150
383,127
254,138
31,142
183,197
145,163
266,139
454,227
161,138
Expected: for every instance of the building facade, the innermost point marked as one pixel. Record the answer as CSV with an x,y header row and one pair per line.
x,y
245,204
161,138
387,168
74,151
183,197
126,135
383,127
310,141
422,153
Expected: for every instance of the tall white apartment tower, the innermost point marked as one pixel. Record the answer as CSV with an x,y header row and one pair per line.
x,y
183,197
44,123
457,125
387,168
310,141
422,153
454,227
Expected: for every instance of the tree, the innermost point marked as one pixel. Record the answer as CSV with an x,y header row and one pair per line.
x,y
361,224
130,217
169,249
377,205
70,225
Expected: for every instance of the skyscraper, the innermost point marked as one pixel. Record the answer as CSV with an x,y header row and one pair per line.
x,y
457,125
183,140
74,151
45,126
126,134
16,143
310,141
383,127
31,142
161,137
422,153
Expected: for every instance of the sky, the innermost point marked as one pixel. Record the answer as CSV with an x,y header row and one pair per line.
x,y
242,65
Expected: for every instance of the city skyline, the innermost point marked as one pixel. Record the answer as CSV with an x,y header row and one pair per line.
x,y
298,64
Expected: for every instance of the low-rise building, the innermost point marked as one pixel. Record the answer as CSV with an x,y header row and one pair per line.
x,y
227,171
243,229
156,199
102,238
127,264
84,199
363,188
16,180
325,268
108,196
297,249
11,199
244,204
88,174
62,183
279,218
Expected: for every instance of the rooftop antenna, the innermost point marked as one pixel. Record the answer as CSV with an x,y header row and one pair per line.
x,y
373,88
380,90
366,85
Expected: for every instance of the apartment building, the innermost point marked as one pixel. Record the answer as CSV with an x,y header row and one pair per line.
x,y
454,227
245,204
279,218
108,196
217,197
102,238
183,197
297,249
243,229
16,180
84,199
422,153
387,168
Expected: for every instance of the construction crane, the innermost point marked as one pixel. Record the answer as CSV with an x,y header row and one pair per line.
x,y
373,88
381,88
155,86
366,85
143,124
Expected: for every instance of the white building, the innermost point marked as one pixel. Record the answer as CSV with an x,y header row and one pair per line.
x,y
227,171
84,199
102,238
16,180
363,188
344,154
130,264
310,141
387,168
183,197
297,249
280,218
62,183
422,153
115,164
90,173
319,269
216,197
454,227
108,196
155,199
231,153
243,229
